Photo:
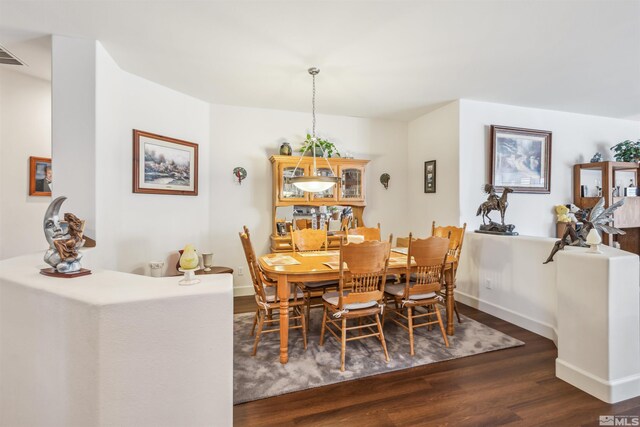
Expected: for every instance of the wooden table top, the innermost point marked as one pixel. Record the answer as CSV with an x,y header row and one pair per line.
x,y
315,262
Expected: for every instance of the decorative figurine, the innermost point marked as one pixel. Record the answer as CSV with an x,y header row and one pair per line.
x,y
189,264
285,149
596,158
384,179
598,219
207,261
189,258
65,239
240,173
495,203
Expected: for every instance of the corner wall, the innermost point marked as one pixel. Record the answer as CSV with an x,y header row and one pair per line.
x,y
434,136
25,130
133,228
96,107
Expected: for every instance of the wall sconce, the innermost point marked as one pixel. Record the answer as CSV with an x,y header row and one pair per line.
x,y
240,173
384,179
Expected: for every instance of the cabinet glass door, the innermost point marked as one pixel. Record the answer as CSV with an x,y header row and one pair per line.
x,y
352,183
290,192
330,193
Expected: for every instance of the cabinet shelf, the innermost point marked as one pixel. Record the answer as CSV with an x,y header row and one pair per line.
x,y
628,215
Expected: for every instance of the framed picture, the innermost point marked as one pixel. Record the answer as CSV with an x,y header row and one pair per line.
x,y
430,176
521,159
163,165
40,176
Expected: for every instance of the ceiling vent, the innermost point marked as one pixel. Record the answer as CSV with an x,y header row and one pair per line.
x,y
7,57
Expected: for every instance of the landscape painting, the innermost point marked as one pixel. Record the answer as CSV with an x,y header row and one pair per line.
x,y
521,159
164,165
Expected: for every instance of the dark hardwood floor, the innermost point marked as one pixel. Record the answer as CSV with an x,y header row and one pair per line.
x,y
515,386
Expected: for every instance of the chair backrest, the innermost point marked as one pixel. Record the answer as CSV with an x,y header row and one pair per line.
x,y
403,242
430,255
308,240
455,235
367,264
354,238
345,222
369,233
257,277
302,224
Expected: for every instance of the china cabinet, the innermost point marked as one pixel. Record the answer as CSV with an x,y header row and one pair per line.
x,y
611,180
349,193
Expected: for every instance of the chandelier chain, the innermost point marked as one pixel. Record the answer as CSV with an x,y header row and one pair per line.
x,y
313,106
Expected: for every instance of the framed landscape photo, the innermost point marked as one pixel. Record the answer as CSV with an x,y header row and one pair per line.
x,y
163,165
40,176
430,176
521,159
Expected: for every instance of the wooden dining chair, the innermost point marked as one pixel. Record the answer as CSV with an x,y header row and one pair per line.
x,y
305,241
402,242
267,298
456,238
422,282
369,233
302,224
309,239
367,264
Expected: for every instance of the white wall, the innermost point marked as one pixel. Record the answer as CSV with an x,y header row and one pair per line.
x,y
248,136
73,127
25,130
576,137
136,228
433,136
96,107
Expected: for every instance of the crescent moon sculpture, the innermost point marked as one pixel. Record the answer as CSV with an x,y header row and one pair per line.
x,y
64,238
53,213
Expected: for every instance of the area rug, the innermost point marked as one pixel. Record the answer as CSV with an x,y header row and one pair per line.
x,y
264,376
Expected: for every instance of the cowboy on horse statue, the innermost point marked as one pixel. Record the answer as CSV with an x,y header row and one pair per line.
x,y
495,203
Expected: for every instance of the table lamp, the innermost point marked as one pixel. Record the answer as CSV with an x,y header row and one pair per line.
x,y
594,240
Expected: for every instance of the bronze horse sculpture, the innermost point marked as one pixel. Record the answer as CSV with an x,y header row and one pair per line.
x,y
494,203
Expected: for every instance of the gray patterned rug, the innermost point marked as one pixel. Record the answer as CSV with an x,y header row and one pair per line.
x,y
263,376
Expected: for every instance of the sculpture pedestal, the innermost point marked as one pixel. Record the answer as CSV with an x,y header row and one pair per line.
x,y
52,272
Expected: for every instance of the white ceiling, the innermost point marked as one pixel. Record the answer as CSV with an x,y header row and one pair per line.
x,y
391,59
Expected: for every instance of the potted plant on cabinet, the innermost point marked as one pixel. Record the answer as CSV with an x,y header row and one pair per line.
x,y
627,151
322,147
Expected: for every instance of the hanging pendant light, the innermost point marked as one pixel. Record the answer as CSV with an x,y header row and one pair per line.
x,y
313,183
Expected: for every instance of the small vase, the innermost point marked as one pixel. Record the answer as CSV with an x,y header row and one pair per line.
x,y
285,149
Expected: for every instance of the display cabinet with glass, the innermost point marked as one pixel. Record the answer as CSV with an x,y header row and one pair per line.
x,y
611,181
292,207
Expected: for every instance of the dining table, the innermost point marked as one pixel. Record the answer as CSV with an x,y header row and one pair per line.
x,y
286,268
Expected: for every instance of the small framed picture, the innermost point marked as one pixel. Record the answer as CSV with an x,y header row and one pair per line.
x,y
430,176
163,165
521,159
40,176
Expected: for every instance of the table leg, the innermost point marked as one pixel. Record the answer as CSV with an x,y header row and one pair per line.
x,y
449,277
283,295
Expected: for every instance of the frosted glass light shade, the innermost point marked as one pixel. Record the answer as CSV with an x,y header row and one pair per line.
x,y
314,184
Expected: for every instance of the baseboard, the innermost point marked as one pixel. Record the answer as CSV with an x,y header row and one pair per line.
x,y
510,316
607,391
240,291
